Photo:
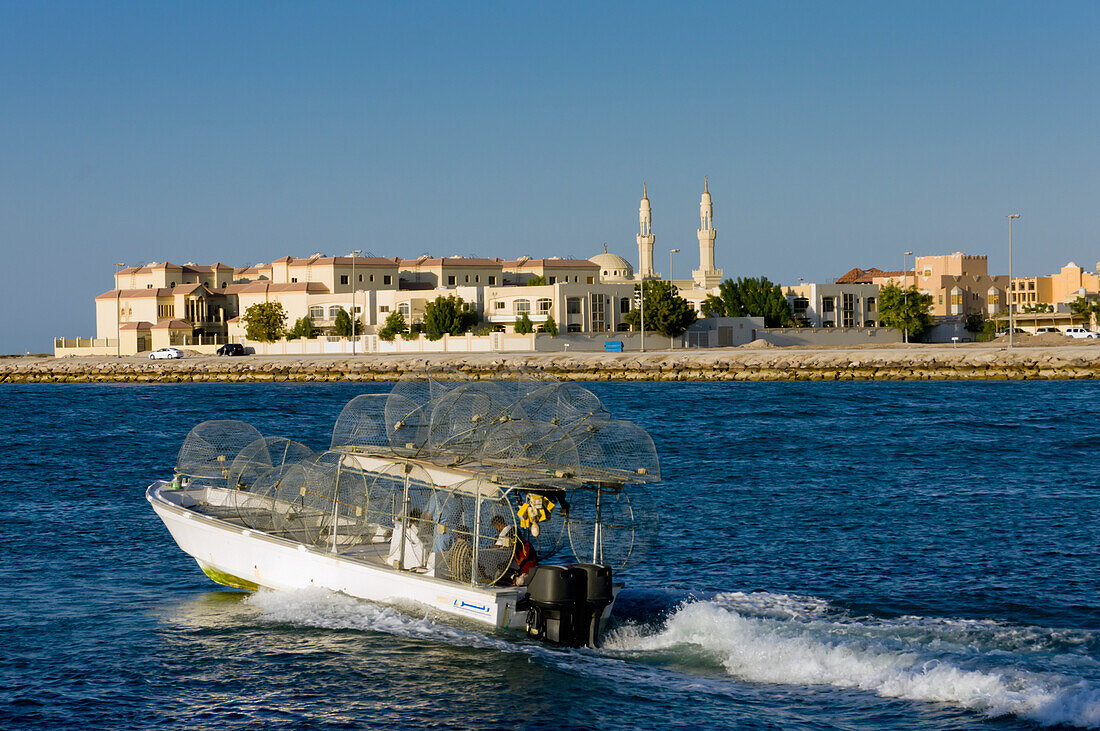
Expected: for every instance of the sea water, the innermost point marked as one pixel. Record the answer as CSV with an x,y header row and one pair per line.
x,y
830,555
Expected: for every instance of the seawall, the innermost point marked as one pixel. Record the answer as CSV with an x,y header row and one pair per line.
x,y
974,362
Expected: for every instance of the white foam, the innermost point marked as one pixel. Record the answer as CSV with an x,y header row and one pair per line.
x,y
794,641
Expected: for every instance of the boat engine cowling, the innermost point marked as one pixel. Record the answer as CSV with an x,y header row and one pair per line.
x,y
566,603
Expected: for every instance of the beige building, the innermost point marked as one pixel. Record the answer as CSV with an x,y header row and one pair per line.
x,y
1057,289
161,304
958,283
835,305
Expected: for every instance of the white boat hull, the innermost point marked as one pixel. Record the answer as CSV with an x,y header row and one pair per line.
x,y
251,559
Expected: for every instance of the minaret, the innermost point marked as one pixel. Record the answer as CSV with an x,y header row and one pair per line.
x,y
706,276
645,238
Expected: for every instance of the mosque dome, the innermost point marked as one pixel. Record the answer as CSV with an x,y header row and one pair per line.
x,y
613,268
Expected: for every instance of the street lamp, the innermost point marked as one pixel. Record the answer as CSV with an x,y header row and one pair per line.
x,y
118,311
905,293
1011,320
354,254
671,286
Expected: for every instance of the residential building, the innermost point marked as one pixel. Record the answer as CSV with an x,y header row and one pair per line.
x,y
835,305
1056,290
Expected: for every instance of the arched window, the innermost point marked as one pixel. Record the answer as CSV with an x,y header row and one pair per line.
x,y
544,306
404,308
521,306
317,312
333,311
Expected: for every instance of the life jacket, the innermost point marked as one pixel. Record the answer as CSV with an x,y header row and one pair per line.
x,y
525,556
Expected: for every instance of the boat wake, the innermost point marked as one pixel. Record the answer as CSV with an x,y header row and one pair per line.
x,y
986,667
978,665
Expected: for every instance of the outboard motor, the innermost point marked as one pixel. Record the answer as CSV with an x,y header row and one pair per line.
x,y
598,597
565,603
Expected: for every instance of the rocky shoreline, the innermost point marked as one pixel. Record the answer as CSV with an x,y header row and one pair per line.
x,y
735,364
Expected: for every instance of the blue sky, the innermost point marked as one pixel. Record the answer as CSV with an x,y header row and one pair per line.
x,y
834,135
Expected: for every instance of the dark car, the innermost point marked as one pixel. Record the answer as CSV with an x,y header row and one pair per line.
x,y
231,349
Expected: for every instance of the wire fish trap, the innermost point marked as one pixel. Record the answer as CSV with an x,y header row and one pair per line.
x,y
209,449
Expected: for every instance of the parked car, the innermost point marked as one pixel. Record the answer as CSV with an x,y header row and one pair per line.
x,y
1080,332
231,349
1015,331
1044,330
166,353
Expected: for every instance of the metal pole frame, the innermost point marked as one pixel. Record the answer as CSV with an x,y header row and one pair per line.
x,y
1011,315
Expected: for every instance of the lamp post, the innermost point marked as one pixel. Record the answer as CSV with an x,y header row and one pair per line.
x,y
905,293
641,306
1011,319
354,254
118,311
671,340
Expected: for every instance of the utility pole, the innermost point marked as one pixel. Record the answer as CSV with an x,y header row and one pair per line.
x,y
354,254
905,293
118,311
1011,318
671,340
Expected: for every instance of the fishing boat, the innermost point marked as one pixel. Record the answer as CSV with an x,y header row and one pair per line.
x,y
441,492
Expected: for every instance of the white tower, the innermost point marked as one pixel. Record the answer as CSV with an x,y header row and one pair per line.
x,y
706,276
645,239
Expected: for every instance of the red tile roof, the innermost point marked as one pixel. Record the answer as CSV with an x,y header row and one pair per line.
x,y
140,325
452,262
552,264
175,324
866,276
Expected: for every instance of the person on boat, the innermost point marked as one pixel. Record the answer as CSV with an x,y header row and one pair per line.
x,y
406,537
524,557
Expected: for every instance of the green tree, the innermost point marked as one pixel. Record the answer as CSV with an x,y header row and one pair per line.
x,y
1084,308
447,316
665,310
535,281
395,323
750,297
905,309
303,328
1037,307
343,324
975,322
264,322
551,326
524,326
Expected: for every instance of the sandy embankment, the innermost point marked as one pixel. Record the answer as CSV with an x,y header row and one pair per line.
x,y
1061,360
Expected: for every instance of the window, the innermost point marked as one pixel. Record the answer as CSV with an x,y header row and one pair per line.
x,y
605,272
360,277
293,279
404,308
477,278
956,297
1031,285
848,312
372,277
800,305
574,327
317,312
544,305
928,271
386,279
467,279
223,285
870,306
334,311
383,308
148,286
622,327
165,311
597,316
521,306
991,298
939,300
576,279
173,284
451,281
624,305
492,280
869,323
828,304
498,305
573,306
343,279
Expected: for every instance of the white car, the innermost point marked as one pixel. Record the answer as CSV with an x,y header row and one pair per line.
x,y
166,353
1080,332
